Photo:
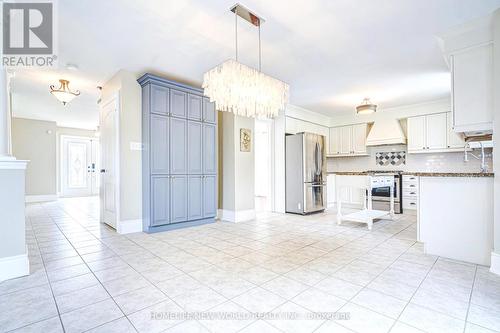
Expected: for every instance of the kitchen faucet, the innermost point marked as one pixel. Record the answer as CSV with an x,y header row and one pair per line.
x,y
484,166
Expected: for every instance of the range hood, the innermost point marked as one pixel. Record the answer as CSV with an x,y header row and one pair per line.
x,y
386,132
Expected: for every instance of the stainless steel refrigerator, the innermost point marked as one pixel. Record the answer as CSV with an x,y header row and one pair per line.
x,y
305,173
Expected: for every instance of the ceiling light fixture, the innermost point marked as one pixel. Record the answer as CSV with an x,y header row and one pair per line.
x,y
63,93
243,90
366,107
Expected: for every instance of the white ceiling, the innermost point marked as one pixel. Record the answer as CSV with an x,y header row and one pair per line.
x,y
331,52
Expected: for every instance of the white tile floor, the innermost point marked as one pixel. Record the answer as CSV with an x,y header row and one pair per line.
x,y
85,277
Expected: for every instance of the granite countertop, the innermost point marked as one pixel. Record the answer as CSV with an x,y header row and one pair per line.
x,y
420,174
450,174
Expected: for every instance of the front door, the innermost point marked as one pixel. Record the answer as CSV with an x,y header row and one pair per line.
x,y
79,166
108,163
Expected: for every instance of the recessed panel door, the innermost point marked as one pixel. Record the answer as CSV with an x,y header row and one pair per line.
x,y
178,199
209,149
195,197
178,103
195,107
195,147
209,196
160,200
178,146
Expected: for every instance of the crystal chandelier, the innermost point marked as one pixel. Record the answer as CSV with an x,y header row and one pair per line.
x,y
243,90
63,93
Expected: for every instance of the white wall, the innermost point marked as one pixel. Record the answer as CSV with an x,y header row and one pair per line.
x,y
238,170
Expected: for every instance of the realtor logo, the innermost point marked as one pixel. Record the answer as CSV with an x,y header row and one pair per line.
x,y
28,34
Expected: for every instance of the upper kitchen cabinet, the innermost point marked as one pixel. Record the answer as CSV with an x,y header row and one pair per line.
x,y
294,126
468,49
472,89
432,133
348,140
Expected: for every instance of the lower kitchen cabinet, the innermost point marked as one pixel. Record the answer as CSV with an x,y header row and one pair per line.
x,y
160,200
179,199
195,197
209,196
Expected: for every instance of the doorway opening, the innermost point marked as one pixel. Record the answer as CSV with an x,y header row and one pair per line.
x,y
79,166
263,166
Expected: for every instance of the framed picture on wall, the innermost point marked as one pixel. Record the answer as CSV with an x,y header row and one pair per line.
x,y
245,140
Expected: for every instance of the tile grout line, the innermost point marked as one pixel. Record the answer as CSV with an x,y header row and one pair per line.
x,y
470,299
86,264
366,286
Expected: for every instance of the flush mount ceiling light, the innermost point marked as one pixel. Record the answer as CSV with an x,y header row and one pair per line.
x,y
63,93
243,90
366,107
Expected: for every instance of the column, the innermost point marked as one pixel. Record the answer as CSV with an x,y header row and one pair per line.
x,y
4,116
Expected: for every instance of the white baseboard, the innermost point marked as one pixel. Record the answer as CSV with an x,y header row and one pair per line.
x,y
129,226
236,216
13,267
495,263
41,198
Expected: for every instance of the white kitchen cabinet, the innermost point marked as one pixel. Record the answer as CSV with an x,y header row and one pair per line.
x,y
432,133
350,197
294,126
436,131
348,140
472,88
455,140
359,139
334,141
330,190
416,133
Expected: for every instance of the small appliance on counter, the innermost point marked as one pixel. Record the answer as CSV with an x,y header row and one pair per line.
x,y
305,173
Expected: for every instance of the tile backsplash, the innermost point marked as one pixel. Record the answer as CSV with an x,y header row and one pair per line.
x,y
432,162
390,158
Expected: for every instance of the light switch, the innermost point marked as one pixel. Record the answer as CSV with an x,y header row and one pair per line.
x,y
135,145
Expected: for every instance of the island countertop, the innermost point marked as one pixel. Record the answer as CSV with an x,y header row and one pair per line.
x,y
416,173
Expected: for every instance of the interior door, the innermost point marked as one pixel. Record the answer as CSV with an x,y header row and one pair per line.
x,y
108,164
76,171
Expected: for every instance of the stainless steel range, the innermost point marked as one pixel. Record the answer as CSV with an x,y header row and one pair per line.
x,y
381,194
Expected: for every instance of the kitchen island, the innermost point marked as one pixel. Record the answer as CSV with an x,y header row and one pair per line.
x,y
454,211
455,215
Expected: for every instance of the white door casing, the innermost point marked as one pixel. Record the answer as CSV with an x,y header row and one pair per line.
x,y
109,194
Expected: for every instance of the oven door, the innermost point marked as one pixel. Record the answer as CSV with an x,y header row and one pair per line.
x,y
383,193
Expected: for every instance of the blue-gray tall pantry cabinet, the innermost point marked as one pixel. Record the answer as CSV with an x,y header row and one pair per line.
x,y
179,158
